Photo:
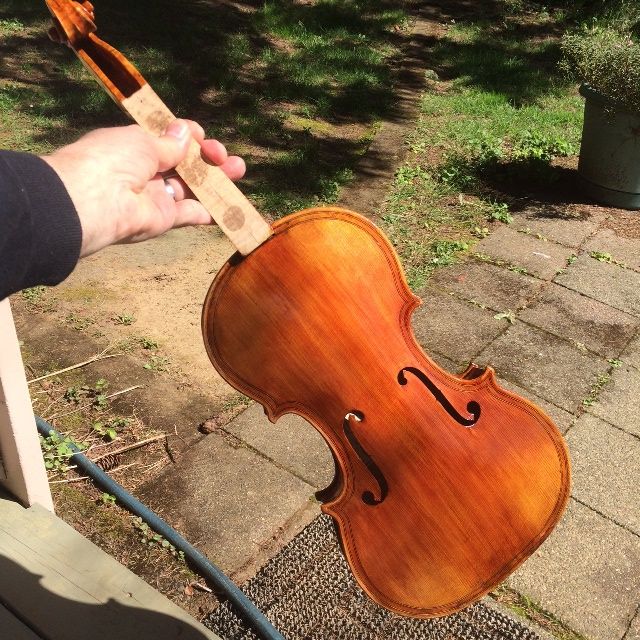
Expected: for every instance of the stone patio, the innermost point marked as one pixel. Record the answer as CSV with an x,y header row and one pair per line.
x,y
572,346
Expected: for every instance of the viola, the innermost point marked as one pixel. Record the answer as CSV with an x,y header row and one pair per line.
x,y
444,484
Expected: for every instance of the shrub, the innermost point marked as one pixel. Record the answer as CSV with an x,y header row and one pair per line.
x,y
608,61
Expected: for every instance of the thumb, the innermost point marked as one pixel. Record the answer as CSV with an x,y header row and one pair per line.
x,y
172,147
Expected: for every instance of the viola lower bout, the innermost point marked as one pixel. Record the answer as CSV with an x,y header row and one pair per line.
x,y
444,484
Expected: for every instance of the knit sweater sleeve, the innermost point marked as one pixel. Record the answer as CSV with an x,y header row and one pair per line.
x,y
40,232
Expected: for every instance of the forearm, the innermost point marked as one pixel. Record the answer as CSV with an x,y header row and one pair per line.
x,y
40,232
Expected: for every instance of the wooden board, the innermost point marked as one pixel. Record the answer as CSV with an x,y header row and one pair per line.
x,y
67,588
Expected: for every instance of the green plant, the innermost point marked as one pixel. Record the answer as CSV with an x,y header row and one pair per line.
x,y
124,318
157,363
444,251
56,451
149,537
536,146
607,60
109,429
499,211
148,344
96,393
107,498
11,26
509,316
33,294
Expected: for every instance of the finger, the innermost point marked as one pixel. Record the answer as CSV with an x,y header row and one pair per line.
x,y
234,167
196,130
171,148
190,212
214,151
180,189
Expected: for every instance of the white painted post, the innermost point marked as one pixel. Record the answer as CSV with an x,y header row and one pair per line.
x,y
22,469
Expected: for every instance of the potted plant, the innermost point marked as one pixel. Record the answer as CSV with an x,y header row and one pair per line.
x,y
607,63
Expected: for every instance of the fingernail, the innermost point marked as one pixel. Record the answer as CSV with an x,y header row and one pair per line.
x,y
178,129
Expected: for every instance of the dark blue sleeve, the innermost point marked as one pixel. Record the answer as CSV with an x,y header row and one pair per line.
x,y
40,232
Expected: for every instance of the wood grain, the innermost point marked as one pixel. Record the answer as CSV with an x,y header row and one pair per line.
x,y
231,210
66,588
432,514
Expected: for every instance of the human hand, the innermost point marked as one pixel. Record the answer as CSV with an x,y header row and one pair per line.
x,y
114,179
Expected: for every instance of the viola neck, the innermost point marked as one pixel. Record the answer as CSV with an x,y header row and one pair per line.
x,y
230,209
74,23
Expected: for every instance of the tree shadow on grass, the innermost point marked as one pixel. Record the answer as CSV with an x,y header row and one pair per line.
x,y
241,69
513,53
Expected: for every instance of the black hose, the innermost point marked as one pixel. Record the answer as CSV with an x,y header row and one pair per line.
x,y
222,583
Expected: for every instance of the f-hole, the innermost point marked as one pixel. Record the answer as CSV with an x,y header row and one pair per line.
x,y
473,407
367,497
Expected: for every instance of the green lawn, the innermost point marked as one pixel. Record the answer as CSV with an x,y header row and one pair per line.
x,y
294,87
493,123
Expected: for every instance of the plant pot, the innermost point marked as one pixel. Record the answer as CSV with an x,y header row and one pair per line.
x,y
610,153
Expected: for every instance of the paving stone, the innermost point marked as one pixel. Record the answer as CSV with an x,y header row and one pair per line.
x,y
291,442
561,418
487,284
453,328
448,365
540,258
550,367
587,573
606,475
631,354
571,315
619,400
227,499
570,228
605,282
625,250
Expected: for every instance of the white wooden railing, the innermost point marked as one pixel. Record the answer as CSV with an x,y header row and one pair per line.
x,y
22,470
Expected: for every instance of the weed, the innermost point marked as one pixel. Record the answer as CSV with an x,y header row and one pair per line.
x,y
107,499
601,256
11,26
527,608
33,294
445,251
517,269
538,147
96,394
509,316
124,318
148,343
150,538
597,386
615,363
57,450
157,363
109,430
499,211
78,323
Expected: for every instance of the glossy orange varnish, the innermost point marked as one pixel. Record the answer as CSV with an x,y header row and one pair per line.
x,y
316,322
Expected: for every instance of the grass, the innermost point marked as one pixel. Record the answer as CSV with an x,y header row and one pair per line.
x,y
297,88
528,609
495,120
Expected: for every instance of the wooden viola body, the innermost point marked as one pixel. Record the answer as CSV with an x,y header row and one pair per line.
x,y
444,484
